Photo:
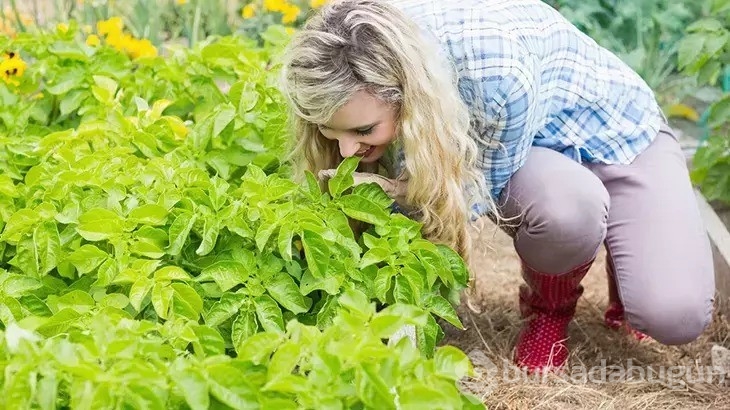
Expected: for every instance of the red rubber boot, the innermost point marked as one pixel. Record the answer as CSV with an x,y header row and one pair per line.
x,y
547,302
614,315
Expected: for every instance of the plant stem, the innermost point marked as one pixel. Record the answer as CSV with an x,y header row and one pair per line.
x,y
196,25
17,16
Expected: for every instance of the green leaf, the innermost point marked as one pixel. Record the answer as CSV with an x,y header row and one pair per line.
x,y
372,389
162,295
58,323
343,180
139,290
362,209
170,273
329,283
285,291
427,337
87,258
456,264
269,314
179,232
224,308
227,274
244,326
690,50
720,112
316,252
284,360
72,101
47,391
149,214
77,300
418,395
374,193
186,301
389,320
258,348
47,247
383,281
192,384
99,224
210,236
210,342
452,363
442,308
357,302
286,235
142,396
67,84
373,256
16,286
263,234
403,291
327,313
230,387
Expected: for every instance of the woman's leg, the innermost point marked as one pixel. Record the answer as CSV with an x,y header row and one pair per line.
x,y
562,212
657,243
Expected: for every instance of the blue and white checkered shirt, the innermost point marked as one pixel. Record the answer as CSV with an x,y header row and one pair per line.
x,y
531,78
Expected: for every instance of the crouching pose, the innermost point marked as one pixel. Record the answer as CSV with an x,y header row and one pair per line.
x,y
503,108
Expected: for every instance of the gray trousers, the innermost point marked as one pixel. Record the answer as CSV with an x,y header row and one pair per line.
x,y
645,214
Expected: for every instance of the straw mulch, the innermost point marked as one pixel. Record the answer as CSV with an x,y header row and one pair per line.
x,y
691,376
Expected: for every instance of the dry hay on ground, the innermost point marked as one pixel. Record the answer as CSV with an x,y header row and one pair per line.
x,y
664,377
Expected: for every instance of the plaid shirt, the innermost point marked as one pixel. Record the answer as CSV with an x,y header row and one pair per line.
x,y
531,78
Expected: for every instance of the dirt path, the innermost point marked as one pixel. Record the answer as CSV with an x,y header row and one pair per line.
x,y
674,377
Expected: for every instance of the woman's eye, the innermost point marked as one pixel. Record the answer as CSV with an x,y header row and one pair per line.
x,y
366,131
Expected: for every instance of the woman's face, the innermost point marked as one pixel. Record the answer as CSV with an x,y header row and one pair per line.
x,y
363,127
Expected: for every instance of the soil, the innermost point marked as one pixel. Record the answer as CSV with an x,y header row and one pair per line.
x,y
489,337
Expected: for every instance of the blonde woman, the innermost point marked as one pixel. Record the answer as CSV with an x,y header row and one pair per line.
x,y
503,108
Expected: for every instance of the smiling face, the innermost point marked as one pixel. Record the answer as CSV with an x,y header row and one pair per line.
x,y
365,126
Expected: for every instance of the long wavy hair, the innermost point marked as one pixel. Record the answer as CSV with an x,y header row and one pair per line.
x,y
353,45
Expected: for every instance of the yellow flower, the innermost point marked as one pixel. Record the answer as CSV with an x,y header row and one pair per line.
x,y
142,48
120,41
275,5
114,25
62,27
11,67
291,13
248,11
92,40
315,4
181,2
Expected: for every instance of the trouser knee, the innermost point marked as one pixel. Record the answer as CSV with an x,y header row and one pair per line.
x,y
672,321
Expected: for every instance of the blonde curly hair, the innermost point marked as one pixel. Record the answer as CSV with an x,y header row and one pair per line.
x,y
353,45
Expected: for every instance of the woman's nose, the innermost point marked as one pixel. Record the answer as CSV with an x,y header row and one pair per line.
x,y
348,147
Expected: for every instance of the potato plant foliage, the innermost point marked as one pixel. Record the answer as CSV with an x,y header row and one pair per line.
x,y
155,254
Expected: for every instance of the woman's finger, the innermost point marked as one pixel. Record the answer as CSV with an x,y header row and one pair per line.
x,y
326,174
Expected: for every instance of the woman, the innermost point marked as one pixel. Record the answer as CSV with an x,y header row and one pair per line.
x,y
503,108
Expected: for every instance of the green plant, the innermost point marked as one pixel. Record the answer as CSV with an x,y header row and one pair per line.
x,y
705,54
643,33
155,254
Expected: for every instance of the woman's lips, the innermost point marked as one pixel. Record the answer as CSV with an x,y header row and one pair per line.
x,y
368,151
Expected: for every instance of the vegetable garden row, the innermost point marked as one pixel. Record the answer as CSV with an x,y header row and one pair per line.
x,y
155,253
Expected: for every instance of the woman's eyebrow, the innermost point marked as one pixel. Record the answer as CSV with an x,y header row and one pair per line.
x,y
362,127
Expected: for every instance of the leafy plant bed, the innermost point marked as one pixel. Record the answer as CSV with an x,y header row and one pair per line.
x,y
154,252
